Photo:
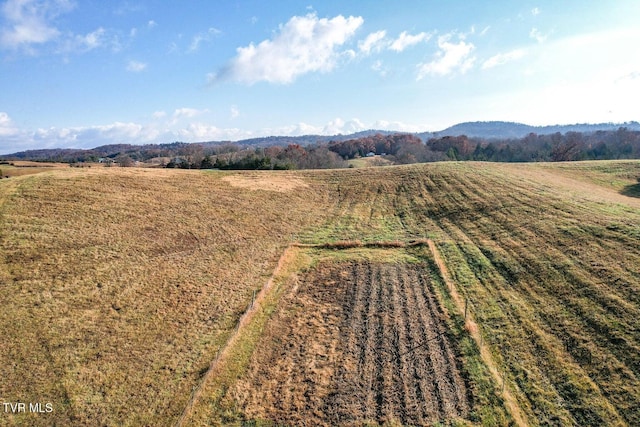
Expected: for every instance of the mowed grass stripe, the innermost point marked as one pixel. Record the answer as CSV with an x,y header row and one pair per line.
x,y
478,231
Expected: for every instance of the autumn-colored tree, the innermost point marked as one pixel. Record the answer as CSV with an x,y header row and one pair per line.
x,y
568,149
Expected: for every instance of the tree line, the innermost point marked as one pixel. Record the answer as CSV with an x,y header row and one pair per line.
x,y
398,148
556,147
407,148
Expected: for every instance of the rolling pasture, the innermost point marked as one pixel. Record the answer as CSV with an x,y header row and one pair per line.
x,y
120,288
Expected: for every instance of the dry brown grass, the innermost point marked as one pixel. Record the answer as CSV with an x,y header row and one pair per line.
x,y
119,285
21,168
282,182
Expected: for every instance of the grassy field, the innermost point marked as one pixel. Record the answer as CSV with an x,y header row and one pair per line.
x,y
367,162
21,168
120,287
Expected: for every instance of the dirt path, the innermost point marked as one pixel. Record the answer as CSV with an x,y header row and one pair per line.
x,y
510,401
246,318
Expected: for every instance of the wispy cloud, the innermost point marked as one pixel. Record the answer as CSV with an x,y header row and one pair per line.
x,y
136,66
340,126
188,112
406,40
379,68
397,126
535,11
373,42
378,41
30,22
234,112
503,58
185,113
6,125
202,38
304,44
451,57
537,35
79,43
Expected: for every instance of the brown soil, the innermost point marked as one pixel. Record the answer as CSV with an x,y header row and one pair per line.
x,y
268,181
356,342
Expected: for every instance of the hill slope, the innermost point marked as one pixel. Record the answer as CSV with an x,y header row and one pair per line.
x,y
120,285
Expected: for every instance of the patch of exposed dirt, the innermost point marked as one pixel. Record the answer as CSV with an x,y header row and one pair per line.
x,y
356,342
265,181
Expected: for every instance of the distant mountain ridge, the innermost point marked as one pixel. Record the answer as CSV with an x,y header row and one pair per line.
x,y
485,130
505,130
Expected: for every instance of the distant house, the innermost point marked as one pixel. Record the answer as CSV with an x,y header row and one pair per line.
x,y
371,154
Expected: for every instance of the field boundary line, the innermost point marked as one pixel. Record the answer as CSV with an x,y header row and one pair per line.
x,y
510,401
245,319
349,244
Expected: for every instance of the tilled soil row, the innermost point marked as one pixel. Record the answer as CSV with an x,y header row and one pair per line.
x,y
358,341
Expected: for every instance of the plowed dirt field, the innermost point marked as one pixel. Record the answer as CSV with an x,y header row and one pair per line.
x,y
355,342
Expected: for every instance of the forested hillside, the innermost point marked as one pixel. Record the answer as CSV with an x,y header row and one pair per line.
x,y
318,152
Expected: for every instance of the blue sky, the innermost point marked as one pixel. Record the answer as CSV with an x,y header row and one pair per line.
x,y
87,73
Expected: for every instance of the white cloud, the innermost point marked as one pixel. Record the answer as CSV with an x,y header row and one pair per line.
x,y
379,68
159,114
136,66
202,38
503,58
32,22
339,126
537,35
5,120
398,126
234,112
406,40
29,22
151,24
89,41
304,44
450,58
535,11
377,41
373,42
179,114
6,125
188,112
